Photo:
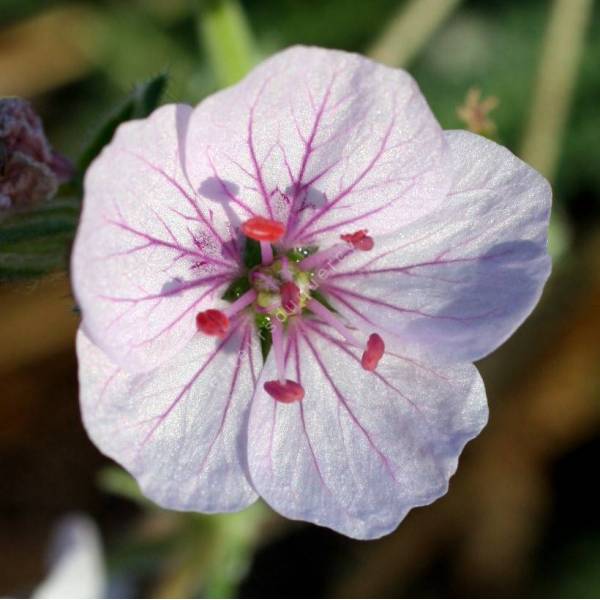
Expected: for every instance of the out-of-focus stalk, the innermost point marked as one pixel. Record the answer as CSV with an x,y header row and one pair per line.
x,y
227,38
557,74
561,54
211,554
410,29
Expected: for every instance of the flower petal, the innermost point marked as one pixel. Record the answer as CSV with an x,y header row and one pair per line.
x,y
463,279
148,255
320,140
361,449
179,430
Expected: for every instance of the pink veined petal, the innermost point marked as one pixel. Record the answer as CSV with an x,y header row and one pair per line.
x,y
180,430
149,253
461,280
322,140
361,449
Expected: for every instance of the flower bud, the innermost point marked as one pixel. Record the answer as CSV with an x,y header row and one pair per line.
x,y
30,171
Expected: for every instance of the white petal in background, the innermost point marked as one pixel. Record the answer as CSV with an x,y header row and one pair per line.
x,y
77,567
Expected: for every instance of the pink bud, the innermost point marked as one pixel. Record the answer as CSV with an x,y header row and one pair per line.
x,y
30,171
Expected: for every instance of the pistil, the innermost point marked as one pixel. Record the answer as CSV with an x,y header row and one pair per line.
x,y
290,297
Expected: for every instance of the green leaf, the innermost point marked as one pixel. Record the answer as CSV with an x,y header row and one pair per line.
x,y
139,104
35,242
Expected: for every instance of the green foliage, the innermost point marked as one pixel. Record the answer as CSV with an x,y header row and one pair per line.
x,y
212,551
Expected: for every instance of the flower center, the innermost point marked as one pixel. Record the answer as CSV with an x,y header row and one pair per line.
x,y
282,288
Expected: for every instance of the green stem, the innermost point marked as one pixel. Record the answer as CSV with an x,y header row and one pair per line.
x,y
410,30
559,64
227,39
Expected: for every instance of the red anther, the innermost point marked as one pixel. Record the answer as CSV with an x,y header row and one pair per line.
x,y
212,322
263,230
287,392
359,239
373,353
290,297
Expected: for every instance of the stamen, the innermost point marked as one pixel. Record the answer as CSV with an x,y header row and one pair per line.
x,y
266,253
263,230
212,322
373,352
244,300
290,297
359,239
329,318
287,392
277,337
330,256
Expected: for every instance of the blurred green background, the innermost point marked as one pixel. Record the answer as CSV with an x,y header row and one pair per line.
x,y
521,517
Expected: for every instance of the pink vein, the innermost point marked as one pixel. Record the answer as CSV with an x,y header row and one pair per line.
x,y
385,460
191,201
234,378
250,143
186,388
431,263
338,291
303,421
329,205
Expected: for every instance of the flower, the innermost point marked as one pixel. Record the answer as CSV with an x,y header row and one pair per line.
x,y
315,213
30,171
